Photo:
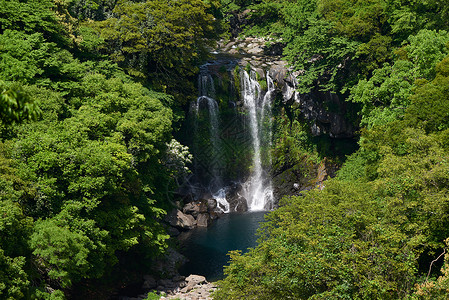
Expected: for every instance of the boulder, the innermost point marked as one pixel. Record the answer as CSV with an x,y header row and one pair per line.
x,y
211,204
234,196
278,71
195,279
260,72
178,219
203,220
195,208
255,50
202,206
238,203
190,208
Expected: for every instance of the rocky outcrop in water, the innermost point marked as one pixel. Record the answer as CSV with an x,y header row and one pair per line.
x,y
179,220
234,195
193,214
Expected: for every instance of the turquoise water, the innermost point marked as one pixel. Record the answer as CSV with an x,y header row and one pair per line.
x,y
207,248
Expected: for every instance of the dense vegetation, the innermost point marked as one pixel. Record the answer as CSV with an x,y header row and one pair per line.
x,y
92,90
86,155
378,229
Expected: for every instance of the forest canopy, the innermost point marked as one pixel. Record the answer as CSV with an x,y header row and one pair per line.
x,y
93,91
378,230
86,127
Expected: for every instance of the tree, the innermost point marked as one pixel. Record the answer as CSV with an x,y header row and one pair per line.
x,y
386,95
16,105
164,38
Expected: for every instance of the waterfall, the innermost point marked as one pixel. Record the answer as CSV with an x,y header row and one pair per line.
x,y
222,202
258,190
214,163
215,143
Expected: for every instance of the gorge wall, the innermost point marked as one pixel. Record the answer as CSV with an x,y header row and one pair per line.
x,y
229,129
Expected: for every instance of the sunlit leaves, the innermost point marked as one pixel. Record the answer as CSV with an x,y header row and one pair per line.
x,y
16,105
157,35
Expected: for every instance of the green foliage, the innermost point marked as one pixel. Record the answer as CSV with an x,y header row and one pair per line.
x,y
292,146
354,19
86,168
30,17
321,54
91,9
16,105
166,38
430,103
387,94
83,184
325,245
426,49
369,232
15,230
152,296
65,251
13,279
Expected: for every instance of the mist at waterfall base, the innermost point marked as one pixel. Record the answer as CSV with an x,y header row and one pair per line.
x,y
207,248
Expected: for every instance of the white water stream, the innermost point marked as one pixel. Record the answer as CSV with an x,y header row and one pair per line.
x,y
206,98
257,189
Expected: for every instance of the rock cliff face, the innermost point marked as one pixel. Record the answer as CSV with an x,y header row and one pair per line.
x,y
325,111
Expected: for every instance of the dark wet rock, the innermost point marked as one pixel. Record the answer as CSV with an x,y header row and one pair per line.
x,y
172,231
327,112
169,264
211,204
149,282
179,278
214,215
166,283
274,49
234,196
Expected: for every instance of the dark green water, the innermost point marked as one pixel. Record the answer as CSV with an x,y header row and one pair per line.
x,y
207,248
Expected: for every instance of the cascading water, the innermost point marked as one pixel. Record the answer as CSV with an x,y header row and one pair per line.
x,y
211,152
206,100
258,191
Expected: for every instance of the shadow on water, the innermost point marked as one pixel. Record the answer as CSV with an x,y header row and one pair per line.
x,y
207,248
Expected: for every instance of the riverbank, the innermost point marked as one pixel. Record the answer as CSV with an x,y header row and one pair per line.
x,y
192,287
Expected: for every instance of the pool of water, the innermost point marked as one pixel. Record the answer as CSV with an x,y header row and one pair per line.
x,y
207,248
